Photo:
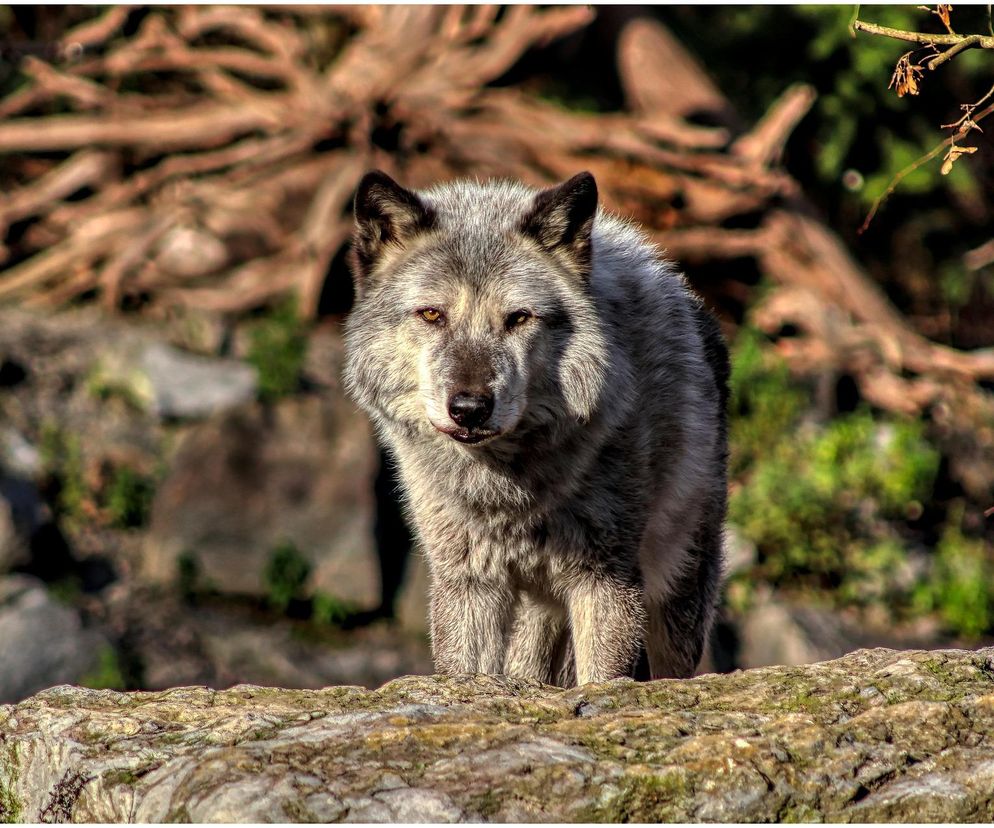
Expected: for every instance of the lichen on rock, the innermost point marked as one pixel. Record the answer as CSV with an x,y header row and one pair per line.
x,y
879,735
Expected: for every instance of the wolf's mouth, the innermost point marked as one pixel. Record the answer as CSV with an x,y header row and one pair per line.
x,y
468,437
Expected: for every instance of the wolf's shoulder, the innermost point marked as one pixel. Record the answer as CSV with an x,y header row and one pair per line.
x,y
627,264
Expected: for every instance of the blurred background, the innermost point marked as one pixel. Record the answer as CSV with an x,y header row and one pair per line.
x,y
186,497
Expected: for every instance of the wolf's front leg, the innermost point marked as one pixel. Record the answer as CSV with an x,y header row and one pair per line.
x,y
607,618
469,624
535,640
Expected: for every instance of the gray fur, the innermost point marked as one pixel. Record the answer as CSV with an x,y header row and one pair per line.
x,y
587,522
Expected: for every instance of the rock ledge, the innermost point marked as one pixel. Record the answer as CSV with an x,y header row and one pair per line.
x,y
879,735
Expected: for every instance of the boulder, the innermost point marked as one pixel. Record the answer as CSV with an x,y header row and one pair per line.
x,y
774,631
250,481
42,642
879,735
173,383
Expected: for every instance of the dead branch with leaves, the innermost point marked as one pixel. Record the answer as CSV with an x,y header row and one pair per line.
x,y
906,80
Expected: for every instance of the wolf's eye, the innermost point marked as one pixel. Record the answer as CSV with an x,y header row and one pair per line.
x,y
432,315
517,318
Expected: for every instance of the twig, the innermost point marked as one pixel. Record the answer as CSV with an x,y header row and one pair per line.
x,y
966,43
981,41
948,142
980,256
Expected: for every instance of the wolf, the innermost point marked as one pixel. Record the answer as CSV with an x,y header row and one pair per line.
x,y
554,394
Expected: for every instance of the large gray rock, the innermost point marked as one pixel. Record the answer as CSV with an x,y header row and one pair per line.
x,y
242,484
42,642
170,382
879,735
778,632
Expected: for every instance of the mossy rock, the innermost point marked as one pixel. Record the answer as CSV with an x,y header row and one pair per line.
x,y
878,735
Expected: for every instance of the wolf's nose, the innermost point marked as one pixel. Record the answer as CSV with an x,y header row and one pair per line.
x,y
470,410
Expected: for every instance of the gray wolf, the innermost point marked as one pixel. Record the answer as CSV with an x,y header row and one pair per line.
x,y
554,395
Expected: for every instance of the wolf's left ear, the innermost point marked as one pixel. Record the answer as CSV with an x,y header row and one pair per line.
x,y
385,213
561,219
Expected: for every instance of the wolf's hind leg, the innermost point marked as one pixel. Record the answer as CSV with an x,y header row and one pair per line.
x,y
679,624
535,639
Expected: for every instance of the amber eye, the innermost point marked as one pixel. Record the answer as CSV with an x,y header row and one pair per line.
x,y
517,318
431,315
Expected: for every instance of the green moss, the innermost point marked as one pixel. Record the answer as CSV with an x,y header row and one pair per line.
x,y
486,804
133,391
10,806
644,798
129,498
285,575
277,349
122,776
107,675
794,812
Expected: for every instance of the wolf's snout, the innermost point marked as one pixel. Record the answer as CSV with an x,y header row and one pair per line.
x,y
470,410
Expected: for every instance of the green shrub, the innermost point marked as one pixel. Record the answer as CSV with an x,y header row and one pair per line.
x,y
278,346
327,609
62,459
286,574
129,498
107,675
188,575
763,404
961,583
824,504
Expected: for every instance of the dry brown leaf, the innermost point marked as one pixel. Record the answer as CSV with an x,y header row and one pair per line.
x,y
943,10
951,157
905,77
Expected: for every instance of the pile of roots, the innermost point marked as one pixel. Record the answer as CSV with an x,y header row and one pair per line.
x,y
206,157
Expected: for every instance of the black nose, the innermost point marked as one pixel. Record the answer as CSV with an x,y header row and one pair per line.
x,y
470,410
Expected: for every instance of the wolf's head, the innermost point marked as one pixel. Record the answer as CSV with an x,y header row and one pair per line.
x,y
473,317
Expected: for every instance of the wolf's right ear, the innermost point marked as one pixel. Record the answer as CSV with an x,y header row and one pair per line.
x,y
385,213
561,219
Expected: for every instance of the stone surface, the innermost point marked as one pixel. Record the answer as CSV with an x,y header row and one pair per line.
x,y
42,642
170,382
777,632
879,735
246,482
191,252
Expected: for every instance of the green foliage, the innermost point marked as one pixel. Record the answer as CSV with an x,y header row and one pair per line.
x,y
62,459
763,401
107,675
10,805
129,498
327,609
961,586
286,574
187,575
822,503
278,346
104,386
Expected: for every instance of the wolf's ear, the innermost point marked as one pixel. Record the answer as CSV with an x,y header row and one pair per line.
x,y
561,219
385,213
